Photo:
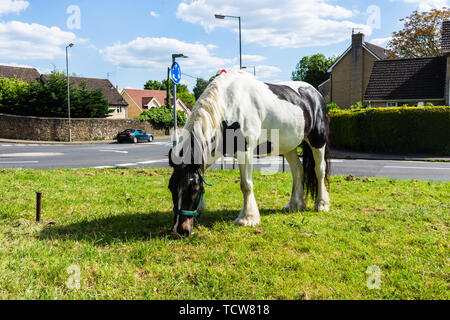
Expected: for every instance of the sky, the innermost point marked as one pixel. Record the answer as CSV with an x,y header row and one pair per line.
x,y
131,42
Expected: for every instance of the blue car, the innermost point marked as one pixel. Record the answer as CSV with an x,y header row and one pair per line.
x,y
134,136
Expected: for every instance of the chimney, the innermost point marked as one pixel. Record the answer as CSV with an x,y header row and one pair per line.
x,y
445,47
357,67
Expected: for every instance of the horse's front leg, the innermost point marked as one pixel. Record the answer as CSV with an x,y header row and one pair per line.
x,y
249,216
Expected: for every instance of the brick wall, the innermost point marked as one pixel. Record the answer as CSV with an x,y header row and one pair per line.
x,y
56,129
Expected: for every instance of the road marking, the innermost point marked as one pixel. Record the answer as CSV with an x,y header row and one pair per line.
x,y
424,168
6,145
104,167
30,154
18,162
117,151
153,161
126,164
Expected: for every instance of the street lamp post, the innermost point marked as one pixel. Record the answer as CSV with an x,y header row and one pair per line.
x,y
175,134
68,88
254,69
222,17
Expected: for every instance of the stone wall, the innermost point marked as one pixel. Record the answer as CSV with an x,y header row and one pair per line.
x,y
56,129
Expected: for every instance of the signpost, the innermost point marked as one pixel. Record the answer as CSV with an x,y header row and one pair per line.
x,y
175,72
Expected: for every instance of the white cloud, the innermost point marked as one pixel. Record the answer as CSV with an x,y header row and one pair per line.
x,y
382,42
289,24
24,41
425,5
154,14
156,53
266,72
249,58
12,6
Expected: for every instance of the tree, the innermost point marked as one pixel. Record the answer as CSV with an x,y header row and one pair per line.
x,y
420,36
153,85
49,99
313,69
201,86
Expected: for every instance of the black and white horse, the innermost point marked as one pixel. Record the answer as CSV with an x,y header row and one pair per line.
x,y
238,114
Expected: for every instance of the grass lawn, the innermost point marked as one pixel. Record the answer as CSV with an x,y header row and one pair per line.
x,y
113,225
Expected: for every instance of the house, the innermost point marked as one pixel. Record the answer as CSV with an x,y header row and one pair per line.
x,y
350,74
116,103
365,73
141,100
418,81
26,74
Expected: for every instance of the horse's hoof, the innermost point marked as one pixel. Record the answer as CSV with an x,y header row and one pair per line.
x,y
293,208
323,206
247,222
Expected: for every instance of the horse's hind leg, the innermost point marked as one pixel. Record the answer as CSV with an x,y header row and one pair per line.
x,y
323,198
298,199
249,216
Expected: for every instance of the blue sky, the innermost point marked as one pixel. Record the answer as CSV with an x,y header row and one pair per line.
x,y
133,41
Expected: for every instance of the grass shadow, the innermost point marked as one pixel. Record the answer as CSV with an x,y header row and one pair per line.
x,y
131,227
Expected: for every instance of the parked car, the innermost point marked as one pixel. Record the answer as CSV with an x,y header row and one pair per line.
x,y
134,136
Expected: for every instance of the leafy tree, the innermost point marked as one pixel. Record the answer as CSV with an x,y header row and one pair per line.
x,y
420,36
313,69
49,99
153,85
89,103
201,86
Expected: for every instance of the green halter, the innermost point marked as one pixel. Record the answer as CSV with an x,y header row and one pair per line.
x,y
194,213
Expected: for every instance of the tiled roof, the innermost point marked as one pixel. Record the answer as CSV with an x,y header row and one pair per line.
x,y
143,97
445,44
109,91
26,74
380,52
407,79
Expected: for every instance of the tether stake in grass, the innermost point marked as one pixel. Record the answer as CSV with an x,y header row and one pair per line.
x,y
38,206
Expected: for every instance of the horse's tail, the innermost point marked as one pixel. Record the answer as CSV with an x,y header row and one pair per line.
x,y
309,169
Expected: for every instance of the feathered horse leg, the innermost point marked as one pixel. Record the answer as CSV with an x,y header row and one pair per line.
x,y
249,216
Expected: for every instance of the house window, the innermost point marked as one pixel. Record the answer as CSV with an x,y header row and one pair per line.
x,y
391,104
118,109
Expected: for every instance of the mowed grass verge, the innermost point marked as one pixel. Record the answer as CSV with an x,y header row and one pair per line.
x,y
113,225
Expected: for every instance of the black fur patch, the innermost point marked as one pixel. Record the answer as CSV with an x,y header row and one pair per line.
x,y
239,142
314,111
288,94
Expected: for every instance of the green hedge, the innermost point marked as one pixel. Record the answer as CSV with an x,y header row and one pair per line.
x,y
392,130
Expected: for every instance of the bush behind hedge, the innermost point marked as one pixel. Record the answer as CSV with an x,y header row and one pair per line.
x,y
392,130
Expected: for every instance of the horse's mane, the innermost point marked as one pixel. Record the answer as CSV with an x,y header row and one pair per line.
x,y
205,122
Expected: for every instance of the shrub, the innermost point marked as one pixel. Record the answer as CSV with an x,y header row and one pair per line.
x,y
392,130
163,117
359,105
332,106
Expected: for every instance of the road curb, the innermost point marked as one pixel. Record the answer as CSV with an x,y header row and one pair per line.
x,y
12,141
337,154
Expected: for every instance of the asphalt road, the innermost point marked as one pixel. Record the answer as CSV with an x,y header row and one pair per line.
x,y
155,155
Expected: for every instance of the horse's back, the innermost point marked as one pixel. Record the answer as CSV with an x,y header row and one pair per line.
x,y
314,110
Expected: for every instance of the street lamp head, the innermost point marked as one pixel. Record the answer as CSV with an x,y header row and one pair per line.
x,y
70,45
219,16
179,55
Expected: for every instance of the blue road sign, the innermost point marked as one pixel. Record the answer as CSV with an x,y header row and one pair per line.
x,y
176,72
